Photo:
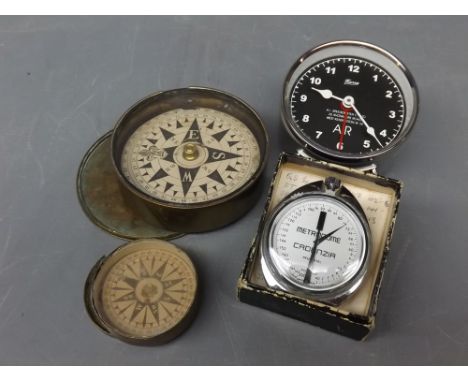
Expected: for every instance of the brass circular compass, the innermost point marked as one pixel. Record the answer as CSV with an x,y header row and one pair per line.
x,y
143,292
192,156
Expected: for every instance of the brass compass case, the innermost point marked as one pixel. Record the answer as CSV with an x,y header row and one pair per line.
x,y
195,110
101,198
144,292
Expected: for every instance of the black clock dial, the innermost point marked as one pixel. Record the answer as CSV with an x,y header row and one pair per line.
x,y
347,105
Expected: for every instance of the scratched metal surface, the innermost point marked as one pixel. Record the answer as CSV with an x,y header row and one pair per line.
x,y
63,83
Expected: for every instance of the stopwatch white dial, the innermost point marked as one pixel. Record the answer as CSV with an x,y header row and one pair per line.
x,y
315,243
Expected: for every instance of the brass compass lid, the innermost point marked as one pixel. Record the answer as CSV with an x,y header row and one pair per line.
x,y
100,194
144,292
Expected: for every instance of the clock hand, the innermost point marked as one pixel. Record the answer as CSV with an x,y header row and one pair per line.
x,y
349,102
343,128
325,237
320,224
370,130
327,94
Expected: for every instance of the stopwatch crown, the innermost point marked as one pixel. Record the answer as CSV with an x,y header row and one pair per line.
x,y
332,183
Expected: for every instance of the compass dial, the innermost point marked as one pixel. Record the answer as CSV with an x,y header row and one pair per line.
x,y
190,155
145,289
349,101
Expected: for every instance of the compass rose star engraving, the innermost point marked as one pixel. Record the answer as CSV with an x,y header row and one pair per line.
x,y
148,294
190,149
193,134
191,155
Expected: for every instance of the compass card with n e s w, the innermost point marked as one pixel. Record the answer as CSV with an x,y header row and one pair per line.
x,y
144,292
192,156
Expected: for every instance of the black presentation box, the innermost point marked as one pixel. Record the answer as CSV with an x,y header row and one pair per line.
x,y
379,197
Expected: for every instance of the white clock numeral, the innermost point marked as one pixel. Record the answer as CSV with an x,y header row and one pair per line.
x,y
305,118
330,69
383,133
388,94
375,77
354,68
392,114
318,133
303,98
315,80
366,144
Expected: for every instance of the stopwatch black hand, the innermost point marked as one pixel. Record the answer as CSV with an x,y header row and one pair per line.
x,y
320,224
325,237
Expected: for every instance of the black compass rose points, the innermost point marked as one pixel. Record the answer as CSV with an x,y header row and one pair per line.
x,y
158,175
130,296
136,310
132,282
167,154
154,309
143,270
170,283
193,134
187,176
216,155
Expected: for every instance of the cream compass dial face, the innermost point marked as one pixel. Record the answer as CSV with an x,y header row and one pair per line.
x,y
148,292
190,155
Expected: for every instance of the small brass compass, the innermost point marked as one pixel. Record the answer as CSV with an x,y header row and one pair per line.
x,y
143,292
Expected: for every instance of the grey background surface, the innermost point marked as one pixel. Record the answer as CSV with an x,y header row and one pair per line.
x,y
64,81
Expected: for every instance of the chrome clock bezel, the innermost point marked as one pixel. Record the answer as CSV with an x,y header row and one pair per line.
x,y
365,51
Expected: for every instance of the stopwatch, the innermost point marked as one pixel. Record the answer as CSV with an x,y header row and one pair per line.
x,y
316,242
349,101
192,156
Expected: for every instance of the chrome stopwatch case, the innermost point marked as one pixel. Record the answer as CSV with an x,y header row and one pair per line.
x,y
316,243
349,101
